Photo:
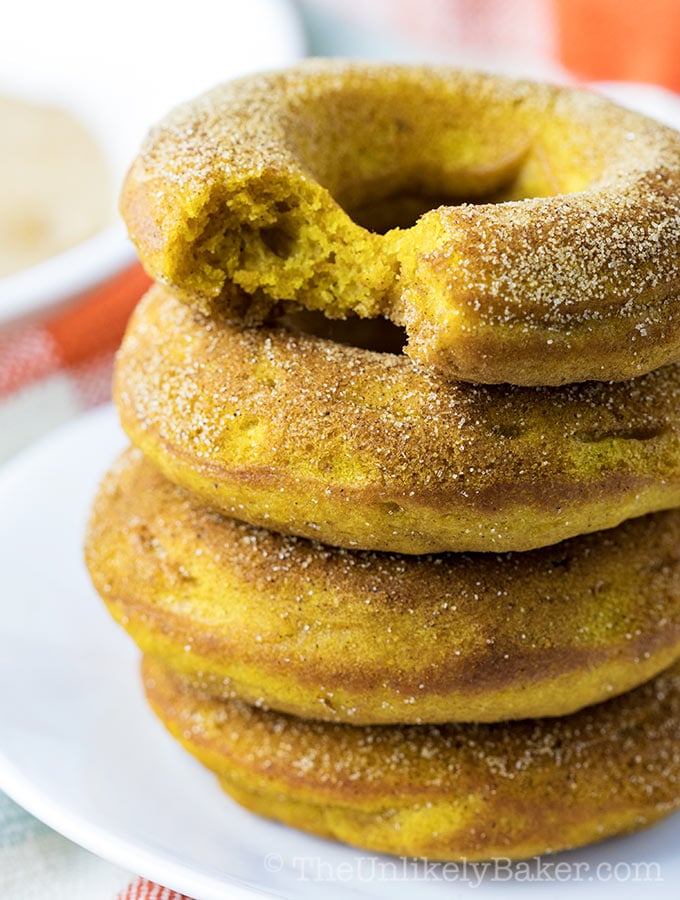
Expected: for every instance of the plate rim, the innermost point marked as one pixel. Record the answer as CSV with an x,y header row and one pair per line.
x,y
155,865
135,855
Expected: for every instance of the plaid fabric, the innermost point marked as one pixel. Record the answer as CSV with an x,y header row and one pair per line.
x,y
38,864
147,890
50,372
53,370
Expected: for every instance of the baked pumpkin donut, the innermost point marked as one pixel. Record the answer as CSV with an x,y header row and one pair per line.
x,y
471,791
356,448
552,255
364,637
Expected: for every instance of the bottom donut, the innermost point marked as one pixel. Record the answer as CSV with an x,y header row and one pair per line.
x,y
445,792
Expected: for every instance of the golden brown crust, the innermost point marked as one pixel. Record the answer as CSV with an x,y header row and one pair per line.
x,y
444,792
236,201
365,637
363,449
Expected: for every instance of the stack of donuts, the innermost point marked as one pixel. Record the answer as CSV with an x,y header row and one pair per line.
x,y
399,532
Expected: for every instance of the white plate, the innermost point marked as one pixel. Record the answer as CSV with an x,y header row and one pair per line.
x,y
80,750
119,68
649,99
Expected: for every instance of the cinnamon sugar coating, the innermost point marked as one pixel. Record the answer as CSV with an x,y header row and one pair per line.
x,y
362,449
361,637
469,791
547,251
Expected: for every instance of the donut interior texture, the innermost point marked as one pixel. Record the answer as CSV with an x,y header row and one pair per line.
x,y
369,638
363,449
547,220
469,791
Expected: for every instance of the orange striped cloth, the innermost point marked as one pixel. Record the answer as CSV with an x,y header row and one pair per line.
x,y
49,372
141,889
52,370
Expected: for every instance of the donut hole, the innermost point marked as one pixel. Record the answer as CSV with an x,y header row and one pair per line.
x,y
399,210
423,158
379,335
402,207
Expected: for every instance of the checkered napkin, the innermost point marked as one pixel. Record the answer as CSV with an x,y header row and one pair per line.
x,y
36,863
50,371
54,369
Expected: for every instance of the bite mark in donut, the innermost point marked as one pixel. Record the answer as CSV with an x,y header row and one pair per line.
x,y
552,257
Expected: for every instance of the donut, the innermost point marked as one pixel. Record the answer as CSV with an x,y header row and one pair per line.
x,y
446,792
375,638
545,248
363,449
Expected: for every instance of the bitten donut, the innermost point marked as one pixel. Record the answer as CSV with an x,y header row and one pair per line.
x,y
512,789
548,245
356,448
363,637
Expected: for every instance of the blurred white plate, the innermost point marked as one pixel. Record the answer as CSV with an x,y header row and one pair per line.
x,y
120,67
80,750
649,99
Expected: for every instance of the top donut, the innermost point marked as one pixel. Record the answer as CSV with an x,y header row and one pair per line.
x,y
519,232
